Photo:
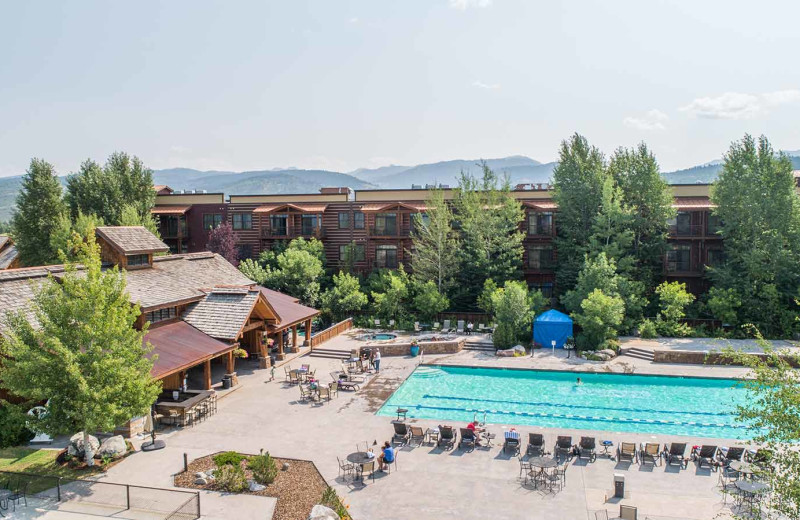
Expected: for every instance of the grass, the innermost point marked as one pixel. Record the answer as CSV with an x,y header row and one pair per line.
x,y
40,462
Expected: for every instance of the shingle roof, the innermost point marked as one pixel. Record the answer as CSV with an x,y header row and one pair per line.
x,y
3,240
287,308
7,256
169,210
222,313
298,206
131,240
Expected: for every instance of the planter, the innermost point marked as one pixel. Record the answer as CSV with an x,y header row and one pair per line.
x,y
414,350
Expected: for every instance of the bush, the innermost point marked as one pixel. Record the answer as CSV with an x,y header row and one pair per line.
x,y
332,500
13,429
228,458
647,329
231,478
599,318
610,344
672,329
264,468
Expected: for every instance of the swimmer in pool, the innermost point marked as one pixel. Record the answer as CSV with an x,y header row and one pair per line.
x,y
578,382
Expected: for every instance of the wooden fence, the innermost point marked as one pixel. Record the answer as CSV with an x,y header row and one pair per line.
x,y
331,332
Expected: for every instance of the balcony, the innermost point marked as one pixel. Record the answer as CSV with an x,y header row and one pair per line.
x,y
277,234
318,233
686,230
386,232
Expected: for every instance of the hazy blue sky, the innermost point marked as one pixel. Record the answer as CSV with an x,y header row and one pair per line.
x,y
340,85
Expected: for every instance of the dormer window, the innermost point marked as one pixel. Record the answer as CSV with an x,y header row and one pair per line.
x,y
130,247
135,260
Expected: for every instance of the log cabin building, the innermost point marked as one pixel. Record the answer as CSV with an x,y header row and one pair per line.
x,y
9,256
380,221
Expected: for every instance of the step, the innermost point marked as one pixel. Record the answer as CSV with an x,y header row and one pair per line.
x,y
329,353
481,347
640,353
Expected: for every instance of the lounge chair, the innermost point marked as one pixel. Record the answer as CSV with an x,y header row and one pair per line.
x,y
468,438
352,377
391,324
650,451
563,445
436,326
732,455
706,454
446,327
401,433
417,327
447,437
481,328
760,458
586,449
535,444
675,453
626,451
460,327
417,435
512,442
347,385
377,324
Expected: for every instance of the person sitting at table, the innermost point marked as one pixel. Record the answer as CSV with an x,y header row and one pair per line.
x,y
387,456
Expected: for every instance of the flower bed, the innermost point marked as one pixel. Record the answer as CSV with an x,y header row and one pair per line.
x,y
297,488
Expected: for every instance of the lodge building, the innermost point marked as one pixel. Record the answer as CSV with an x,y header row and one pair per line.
x,y
380,223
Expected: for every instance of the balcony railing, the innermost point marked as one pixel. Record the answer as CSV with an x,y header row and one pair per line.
x,y
689,230
386,232
317,232
274,233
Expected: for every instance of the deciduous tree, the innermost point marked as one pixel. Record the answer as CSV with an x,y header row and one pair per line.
x,y
513,315
428,301
435,251
222,240
344,298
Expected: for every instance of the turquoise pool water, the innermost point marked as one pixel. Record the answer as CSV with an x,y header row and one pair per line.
x,y
612,402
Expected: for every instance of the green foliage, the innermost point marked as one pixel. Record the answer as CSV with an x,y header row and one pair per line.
x,y
347,262
331,499
230,458
435,244
428,301
264,468
489,219
85,356
39,209
485,302
647,329
297,271
344,298
724,305
672,300
5,227
13,425
513,315
105,192
390,293
231,478
760,214
253,270
131,216
611,233
599,318
60,239
537,302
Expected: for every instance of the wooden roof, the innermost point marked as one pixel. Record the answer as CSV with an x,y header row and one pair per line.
x,y
289,308
131,240
296,206
225,311
385,206
169,210
696,203
543,205
179,346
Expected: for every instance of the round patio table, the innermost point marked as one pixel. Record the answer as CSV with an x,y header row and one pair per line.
x,y
750,487
745,468
538,467
361,458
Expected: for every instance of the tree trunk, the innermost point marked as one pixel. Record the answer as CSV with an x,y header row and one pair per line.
x,y
87,448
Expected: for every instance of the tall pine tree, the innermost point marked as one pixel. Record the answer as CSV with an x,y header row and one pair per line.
x,y
435,244
38,212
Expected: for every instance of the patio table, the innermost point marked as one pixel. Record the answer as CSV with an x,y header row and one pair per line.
x,y
538,467
751,492
360,458
745,468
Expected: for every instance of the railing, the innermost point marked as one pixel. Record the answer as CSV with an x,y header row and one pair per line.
x,y
315,232
274,233
331,332
384,232
689,230
91,497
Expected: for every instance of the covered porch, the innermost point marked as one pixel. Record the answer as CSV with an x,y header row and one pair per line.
x,y
292,330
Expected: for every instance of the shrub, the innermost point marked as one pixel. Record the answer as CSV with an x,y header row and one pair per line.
x,y
610,344
332,500
647,329
264,468
673,300
228,458
13,429
513,315
231,478
599,318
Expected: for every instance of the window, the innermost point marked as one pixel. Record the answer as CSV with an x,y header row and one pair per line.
x,y
679,258
358,253
211,220
310,224
681,224
714,224
242,221
245,251
386,256
540,257
134,260
716,257
423,216
169,226
161,314
344,220
358,220
540,223
385,224
279,225
545,287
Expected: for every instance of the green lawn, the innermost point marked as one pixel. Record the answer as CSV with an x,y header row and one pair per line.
x,y
39,461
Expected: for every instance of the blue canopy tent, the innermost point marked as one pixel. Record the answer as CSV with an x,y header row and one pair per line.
x,y
552,325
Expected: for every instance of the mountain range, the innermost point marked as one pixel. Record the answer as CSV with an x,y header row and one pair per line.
x,y
519,168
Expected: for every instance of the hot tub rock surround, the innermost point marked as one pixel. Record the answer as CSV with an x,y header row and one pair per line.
x,y
426,347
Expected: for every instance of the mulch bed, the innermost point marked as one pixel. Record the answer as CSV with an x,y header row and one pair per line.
x,y
80,465
297,489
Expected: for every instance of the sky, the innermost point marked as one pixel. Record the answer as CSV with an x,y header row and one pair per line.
x,y
340,85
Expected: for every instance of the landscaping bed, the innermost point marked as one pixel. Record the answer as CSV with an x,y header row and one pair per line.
x,y
297,488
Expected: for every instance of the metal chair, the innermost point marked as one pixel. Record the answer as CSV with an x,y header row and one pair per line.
x,y
524,468
20,493
345,467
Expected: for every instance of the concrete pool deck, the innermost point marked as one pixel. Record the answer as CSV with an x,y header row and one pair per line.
x,y
428,483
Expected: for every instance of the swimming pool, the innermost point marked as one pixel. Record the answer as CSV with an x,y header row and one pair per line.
x,y
609,402
382,336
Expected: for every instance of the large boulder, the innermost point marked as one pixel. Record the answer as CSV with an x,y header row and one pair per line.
x,y
113,447
320,512
76,448
518,350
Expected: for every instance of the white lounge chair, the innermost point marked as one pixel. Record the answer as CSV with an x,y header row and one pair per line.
x,y
436,326
391,324
446,327
416,327
377,324
460,327
481,327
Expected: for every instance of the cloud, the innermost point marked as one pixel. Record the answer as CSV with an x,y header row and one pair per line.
x,y
652,120
463,5
736,105
353,20
487,86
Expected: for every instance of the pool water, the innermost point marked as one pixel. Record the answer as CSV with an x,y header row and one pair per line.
x,y
608,402
382,337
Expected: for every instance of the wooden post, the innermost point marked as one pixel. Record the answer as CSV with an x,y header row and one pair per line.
x,y
295,346
207,374
230,362
279,339
308,333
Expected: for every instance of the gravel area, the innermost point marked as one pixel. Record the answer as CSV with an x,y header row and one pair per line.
x,y
297,489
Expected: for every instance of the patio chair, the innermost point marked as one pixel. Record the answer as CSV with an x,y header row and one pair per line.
x,y
586,449
324,392
628,512
675,453
369,466
733,454
377,324
481,328
401,433
19,493
557,477
601,515
287,369
524,468
391,324
447,437
626,451
436,326
417,327
460,327
535,444
417,435
293,378
307,394
345,467
333,388
446,327
706,454
650,451
563,445
511,442
305,368
467,438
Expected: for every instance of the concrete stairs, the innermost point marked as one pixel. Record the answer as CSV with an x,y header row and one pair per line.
x,y
329,353
479,347
639,353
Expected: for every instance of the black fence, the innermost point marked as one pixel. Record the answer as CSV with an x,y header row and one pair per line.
x,y
98,498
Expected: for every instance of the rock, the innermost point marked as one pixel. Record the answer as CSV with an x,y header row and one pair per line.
x,y
607,353
518,350
285,466
200,482
320,512
255,486
113,447
76,448
199,474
